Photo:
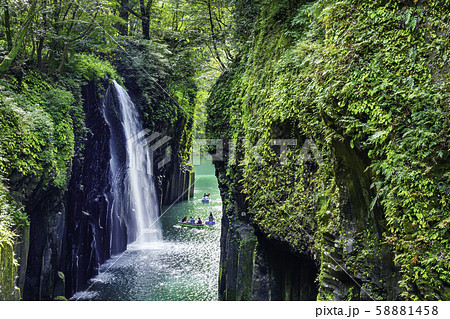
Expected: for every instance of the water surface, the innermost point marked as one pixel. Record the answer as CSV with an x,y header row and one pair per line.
x,y
184,265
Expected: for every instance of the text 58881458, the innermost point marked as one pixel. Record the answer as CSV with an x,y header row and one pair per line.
x,y
407,310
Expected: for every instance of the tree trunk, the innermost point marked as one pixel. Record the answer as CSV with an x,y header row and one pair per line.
x,y
213,35
124,14
8,27
39,53
145,17
40,45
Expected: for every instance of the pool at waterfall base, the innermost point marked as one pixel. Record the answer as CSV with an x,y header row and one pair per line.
x,y
183,265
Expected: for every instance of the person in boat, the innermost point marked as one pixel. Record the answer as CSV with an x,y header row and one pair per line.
x,y
211,217
184,219
192,220
199,222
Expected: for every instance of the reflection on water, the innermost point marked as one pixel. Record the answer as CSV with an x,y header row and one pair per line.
x,y
183,266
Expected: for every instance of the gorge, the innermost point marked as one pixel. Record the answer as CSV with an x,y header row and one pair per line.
x,y
327,122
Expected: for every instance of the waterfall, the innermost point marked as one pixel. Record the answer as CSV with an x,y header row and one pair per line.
x,y
133,202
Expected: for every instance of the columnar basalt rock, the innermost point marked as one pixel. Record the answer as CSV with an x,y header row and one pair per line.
x,y
88,239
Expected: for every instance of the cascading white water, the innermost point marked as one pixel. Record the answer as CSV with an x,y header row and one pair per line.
x,y
134,206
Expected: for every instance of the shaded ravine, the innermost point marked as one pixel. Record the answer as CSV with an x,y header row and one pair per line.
x,y
183,265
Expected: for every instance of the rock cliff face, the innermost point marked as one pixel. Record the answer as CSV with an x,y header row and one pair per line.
x,y
48,219
178,187
88,237
66,243
260,265
319,200
21,251
253,267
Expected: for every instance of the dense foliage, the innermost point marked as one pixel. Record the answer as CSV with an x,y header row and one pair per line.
x,y
367,82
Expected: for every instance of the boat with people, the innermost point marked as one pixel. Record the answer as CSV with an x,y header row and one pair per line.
x,y
206,198
191,225
191,222
210,221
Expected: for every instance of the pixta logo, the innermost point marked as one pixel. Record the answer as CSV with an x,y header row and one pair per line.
x,y
150,143
221,149
145,145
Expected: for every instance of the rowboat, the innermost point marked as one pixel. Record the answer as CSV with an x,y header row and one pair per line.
x,y
205,200
191,225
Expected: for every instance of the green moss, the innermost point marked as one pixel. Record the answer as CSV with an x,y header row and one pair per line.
x,y
229,295
220,273
59,104
60,298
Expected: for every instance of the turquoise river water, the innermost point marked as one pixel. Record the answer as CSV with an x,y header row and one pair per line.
x,y
184,265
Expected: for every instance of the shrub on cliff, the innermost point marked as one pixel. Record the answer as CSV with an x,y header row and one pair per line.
x,y
37,134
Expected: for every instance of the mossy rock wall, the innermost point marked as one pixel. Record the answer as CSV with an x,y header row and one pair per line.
x,y
253,267
236,268
21,250
8,273
335,123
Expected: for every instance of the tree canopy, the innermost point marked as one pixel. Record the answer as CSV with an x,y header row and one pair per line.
x,y
46,35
